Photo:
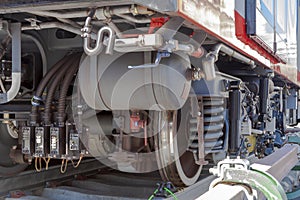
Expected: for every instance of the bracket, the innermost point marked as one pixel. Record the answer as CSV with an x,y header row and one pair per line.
x,y
238,171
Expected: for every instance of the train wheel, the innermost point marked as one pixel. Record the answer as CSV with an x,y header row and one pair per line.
x,y
176,164
7,166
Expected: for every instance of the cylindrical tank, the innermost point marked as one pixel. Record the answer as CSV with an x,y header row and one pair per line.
x,y
106,82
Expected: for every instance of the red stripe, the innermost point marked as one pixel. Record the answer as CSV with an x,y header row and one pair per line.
x,y
241,34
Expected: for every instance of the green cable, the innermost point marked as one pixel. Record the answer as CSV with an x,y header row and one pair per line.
x,y
152,196
171,193
167,190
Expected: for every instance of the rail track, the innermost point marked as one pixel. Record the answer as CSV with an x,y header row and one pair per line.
x,y
92,180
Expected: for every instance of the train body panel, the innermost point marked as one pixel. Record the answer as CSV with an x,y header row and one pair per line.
x,y
227,21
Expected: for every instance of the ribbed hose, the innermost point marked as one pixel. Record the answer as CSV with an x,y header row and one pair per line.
x,y
42,85
54,86
63,92
44,82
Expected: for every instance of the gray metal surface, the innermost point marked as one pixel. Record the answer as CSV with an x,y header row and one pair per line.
x,y
16,65
279,163
15,6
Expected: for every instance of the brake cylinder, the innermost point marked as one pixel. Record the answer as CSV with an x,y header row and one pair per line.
x,y
106,82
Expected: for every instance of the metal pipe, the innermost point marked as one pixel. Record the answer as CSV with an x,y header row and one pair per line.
x,y
227,50
115,29
99,42
100,14
70,22
67,15
16,65
49,25
132,19
208,62
59,25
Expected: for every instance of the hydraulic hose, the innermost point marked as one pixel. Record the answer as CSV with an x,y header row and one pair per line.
x,y
49,75
63,93
53,87
41,87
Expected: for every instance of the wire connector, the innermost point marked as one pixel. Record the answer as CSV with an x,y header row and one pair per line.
x,y
36,101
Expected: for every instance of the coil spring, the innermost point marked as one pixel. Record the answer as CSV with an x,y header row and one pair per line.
x,y
213,110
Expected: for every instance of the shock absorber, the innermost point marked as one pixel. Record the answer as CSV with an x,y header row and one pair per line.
x,y
234,115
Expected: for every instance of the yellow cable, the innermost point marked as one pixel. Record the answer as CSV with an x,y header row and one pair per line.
x,y
78,163
47,162
63,167
38,169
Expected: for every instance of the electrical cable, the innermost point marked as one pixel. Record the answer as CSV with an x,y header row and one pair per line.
x,y
38,168
78,163
63,167
53,87
47,162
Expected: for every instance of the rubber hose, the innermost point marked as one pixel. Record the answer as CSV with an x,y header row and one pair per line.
x,y
54,85
44,82
63,92
50,74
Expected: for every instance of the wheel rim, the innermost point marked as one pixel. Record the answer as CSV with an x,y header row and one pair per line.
x,y
175,163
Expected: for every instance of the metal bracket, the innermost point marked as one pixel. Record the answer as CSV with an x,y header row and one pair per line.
x,y
34,22
200,128
159,56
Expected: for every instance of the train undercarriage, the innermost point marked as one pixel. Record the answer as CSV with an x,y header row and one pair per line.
x,y
138,88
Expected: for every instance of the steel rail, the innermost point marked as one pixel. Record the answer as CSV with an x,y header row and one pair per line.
x,y
30,179
278,164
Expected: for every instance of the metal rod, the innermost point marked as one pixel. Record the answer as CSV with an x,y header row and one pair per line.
x,y
135,20
16,65
225,49
67,15
49,25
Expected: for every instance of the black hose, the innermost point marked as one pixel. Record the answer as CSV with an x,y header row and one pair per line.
x,y
41,87
54,85
63,93
49,75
